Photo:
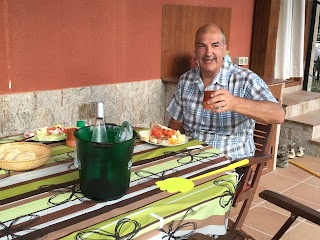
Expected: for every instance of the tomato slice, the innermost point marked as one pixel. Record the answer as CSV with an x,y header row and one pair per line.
x,y
156,131
168,132
55,130
50,130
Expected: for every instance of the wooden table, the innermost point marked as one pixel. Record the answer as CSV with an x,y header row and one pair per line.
x,y
47,202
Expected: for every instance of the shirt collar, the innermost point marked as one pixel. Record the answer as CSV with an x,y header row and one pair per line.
x,y
222,78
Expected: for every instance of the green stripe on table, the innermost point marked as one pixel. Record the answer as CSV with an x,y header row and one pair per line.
x,y
11,139
164,166
18,190
34,206
160,151
56,150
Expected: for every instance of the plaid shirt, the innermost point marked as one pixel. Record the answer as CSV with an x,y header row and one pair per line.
x,y
230,132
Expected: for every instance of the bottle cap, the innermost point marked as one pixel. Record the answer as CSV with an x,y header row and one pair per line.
x,y
80,123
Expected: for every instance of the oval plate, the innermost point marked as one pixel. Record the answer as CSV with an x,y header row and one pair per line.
x,y
157,144
50,138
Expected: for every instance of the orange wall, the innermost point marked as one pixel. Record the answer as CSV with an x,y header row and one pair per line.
x,y
58,44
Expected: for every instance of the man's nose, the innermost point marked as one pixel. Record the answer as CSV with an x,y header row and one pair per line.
x,y
208,51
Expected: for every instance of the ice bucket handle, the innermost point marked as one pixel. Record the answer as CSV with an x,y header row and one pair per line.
x,y
102,145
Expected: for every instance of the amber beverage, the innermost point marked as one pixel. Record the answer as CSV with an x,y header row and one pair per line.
x,y
206,97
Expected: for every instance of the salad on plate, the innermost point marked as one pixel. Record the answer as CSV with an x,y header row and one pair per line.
x,y
161,135
47,134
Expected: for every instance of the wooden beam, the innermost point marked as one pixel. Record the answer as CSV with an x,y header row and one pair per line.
x,y
264,37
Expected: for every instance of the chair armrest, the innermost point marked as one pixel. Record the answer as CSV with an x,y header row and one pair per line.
x,y
249,181
260,158
291,205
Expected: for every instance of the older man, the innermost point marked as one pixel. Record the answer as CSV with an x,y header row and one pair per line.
x,y
240,99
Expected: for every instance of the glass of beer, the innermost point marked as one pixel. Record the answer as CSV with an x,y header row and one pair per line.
x,y
207,97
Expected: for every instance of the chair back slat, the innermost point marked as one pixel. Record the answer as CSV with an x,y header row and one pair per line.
x,y
261,136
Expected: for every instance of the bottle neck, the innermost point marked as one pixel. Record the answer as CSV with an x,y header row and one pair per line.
x,y
99,121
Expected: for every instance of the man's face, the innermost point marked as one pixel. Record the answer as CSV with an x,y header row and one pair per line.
x,y
210,51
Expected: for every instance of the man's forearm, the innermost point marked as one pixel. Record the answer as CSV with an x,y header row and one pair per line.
x,y
261,111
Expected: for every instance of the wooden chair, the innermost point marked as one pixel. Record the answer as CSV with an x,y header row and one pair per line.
x,y
295,208
247,187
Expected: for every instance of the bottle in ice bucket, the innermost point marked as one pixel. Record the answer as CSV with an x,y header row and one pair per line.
x,y
125,132
99,134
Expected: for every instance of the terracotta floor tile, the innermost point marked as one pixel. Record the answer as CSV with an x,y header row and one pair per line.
x,y
306,192
256,198
265,220
255,233
292,172
277,182
301,231
313,181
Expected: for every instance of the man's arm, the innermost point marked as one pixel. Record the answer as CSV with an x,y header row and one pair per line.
x,y
176,125
261,111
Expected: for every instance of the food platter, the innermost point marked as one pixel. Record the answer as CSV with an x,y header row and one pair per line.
x,y
42,135
175,139
166,145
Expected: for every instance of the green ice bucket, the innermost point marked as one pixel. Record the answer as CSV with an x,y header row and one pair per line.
x,y
104,168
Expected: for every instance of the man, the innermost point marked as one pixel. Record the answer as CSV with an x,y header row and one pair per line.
x,y
240,99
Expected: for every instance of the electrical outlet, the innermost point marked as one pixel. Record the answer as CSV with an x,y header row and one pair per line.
x,y
245,60
241,61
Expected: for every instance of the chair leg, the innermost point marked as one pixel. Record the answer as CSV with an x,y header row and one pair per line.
x,y
250,194
242,214
285,226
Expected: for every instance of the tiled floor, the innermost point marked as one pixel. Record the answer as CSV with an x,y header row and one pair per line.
x,y
265,219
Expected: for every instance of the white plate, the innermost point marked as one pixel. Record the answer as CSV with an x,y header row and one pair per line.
x,y
167,145
157,144
29,133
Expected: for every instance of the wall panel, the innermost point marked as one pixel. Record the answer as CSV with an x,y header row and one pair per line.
x,y
179,25
47,45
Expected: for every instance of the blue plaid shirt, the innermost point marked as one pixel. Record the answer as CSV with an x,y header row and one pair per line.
x,y
230,132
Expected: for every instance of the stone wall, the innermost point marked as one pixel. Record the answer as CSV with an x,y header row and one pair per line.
x,y
139,103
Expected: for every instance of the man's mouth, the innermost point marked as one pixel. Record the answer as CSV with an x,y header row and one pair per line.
x,y
209,59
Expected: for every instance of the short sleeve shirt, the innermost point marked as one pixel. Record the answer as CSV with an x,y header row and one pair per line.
x,y
230,132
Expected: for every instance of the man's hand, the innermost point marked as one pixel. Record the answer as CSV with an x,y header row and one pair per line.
x,y
222,101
